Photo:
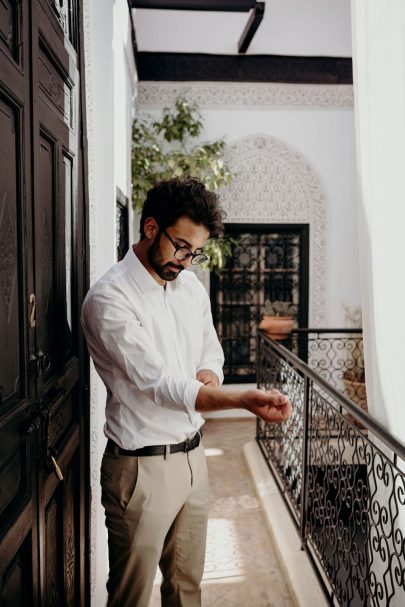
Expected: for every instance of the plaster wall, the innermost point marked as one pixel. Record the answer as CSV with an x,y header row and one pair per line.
x,y
320,128
110,86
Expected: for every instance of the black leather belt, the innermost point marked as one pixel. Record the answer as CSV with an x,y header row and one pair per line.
x,y
187,445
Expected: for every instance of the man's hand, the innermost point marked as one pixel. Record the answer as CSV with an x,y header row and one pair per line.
x,y
271,406
208,378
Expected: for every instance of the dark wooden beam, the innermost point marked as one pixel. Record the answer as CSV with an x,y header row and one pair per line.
x,y
236,6
244,68
133,37
253,23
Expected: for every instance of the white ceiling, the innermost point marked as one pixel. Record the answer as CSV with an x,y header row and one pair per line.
x,y
289,27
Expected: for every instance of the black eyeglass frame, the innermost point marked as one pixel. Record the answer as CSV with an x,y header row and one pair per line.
x,y
187,254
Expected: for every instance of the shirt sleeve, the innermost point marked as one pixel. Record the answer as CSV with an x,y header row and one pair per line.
x,y
116,337
212,356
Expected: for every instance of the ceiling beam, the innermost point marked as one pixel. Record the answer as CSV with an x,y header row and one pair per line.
x,y
253,23
184,67
237,6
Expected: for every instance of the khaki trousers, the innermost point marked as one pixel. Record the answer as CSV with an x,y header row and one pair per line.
x,y
156,512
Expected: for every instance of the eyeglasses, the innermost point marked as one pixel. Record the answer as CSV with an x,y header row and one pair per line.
x,y
183,253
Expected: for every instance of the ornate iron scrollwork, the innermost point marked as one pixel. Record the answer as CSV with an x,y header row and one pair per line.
x,y
344,477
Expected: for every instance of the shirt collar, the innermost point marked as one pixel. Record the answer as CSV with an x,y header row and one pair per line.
x,y
143,278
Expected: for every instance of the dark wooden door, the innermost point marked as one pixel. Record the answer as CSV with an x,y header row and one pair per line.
x,y
43,407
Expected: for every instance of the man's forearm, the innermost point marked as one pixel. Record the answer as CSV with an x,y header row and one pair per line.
x,y
215,399
271,406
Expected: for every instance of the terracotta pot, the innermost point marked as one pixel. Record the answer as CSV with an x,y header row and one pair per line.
x,y
277,327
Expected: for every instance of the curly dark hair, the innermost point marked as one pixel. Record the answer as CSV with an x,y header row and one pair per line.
x,y
169,200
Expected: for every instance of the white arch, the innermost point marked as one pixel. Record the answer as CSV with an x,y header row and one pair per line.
x,y
274,183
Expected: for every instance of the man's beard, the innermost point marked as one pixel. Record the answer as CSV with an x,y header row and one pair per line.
x,y
155,260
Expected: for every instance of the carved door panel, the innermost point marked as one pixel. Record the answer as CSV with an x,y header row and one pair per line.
x,y
56,169
44,464
18,498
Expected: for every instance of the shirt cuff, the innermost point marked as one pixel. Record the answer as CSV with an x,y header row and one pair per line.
x,y
190,399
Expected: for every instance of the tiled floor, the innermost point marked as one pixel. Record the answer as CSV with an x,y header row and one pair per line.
x,y
241,568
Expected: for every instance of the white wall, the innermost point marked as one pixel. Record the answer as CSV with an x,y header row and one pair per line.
x,y
110,83
326,139
100,130
320,127
293,27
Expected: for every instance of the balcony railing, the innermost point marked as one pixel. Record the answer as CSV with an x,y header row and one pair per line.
x,y
341,474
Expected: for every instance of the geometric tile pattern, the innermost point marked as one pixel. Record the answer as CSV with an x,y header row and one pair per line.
x,y
241,567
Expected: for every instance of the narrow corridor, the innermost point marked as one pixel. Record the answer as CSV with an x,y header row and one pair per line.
x,y
241,568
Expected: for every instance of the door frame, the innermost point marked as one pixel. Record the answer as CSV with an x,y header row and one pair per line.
x,y
83,282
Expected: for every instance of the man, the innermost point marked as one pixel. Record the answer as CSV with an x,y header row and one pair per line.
x,y
149,331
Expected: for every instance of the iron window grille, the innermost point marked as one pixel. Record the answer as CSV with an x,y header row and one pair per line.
x,y
269,262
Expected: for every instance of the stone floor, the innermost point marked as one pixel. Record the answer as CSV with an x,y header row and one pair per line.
x,y
241,568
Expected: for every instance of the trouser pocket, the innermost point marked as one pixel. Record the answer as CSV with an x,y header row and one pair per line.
x,y
119,478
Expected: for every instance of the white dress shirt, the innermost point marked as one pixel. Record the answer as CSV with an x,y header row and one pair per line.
x,y
148,343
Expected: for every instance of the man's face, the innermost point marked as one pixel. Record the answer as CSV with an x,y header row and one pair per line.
x,y
184,233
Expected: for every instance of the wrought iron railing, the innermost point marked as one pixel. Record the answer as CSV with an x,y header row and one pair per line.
x,y
336,355
341,474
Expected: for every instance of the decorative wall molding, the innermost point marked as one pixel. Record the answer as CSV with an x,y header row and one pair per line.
x,y
244,95
274,183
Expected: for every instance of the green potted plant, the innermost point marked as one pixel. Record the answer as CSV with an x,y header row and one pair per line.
x,y
278,318
170,147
